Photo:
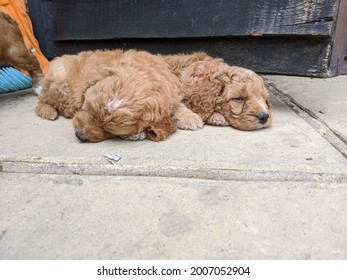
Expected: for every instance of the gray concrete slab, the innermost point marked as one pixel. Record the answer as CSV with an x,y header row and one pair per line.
x,y
326,99
218,193
289,150
116,217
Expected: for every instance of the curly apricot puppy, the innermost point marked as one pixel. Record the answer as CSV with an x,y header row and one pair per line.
x,y
221,94
130,94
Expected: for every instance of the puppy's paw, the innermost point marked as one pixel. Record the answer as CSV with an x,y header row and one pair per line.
x,y
217,119
46,111
190,121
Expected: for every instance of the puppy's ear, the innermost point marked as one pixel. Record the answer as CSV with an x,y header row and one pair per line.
x,y
237,106
201,93
162,130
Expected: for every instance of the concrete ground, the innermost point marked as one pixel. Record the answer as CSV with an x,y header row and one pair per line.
x,y
218,193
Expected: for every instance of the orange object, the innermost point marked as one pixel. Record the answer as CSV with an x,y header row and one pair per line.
x,y
17,10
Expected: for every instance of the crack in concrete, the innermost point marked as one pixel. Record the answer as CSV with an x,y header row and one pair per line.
x,y
334,139
68,168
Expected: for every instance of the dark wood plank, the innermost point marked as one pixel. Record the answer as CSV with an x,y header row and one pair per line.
x,y
339,41
40,12
106,19
297,56
344,68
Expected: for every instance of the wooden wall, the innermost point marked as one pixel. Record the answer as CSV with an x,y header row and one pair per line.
x,y
297,37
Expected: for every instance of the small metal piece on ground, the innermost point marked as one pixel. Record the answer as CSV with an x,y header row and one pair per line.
x,y
113,158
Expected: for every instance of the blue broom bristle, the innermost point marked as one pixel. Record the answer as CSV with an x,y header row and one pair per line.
x,y
12,80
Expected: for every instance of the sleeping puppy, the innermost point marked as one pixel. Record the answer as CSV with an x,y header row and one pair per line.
x,y
137,95
221,94
130,94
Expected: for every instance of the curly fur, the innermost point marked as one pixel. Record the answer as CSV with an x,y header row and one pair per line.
x,y
130,94
14,52
221,94
135,94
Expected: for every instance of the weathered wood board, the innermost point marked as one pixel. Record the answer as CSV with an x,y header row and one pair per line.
x,y
295,37
265,55
338,41
107,19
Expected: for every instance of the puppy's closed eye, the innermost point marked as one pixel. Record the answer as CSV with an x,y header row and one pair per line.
x,y
239,99
237,105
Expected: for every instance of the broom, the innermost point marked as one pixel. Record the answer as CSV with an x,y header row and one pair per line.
x,y
13,80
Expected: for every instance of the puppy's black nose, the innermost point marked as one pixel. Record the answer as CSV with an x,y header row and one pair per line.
x,y
263,117
81,137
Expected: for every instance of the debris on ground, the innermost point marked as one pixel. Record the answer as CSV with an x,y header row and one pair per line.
x,y
113,158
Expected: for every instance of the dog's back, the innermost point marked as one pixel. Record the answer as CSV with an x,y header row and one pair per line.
x,y
68,78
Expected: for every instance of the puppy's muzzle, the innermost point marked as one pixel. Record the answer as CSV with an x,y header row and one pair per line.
x,y
263,117
81,137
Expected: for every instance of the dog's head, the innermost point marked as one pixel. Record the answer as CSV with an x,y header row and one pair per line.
x,y
244,100
131,110
89,127
236,93
104,115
